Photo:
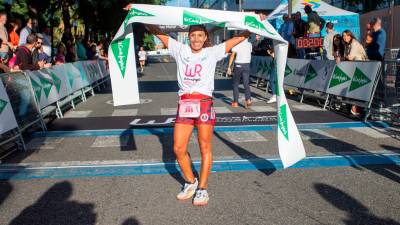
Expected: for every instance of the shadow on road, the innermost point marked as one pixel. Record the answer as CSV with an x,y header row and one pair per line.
x,y
54,207
339,147
244,154
131,221
357,213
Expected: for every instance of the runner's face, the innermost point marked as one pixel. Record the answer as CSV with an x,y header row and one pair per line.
x,y
197,39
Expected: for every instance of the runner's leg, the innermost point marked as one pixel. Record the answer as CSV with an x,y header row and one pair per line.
x,y
182,133
205,133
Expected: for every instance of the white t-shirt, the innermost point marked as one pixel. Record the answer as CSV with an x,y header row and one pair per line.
x,y
243,51
195,70
142,55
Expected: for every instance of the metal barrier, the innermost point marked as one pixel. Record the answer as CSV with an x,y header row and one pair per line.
x,y
386,105
34,95
20,92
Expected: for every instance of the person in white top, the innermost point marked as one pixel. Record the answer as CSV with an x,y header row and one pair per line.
x,y
195,73
242,52
142,58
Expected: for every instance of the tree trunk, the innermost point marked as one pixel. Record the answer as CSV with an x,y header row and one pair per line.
x,y
65,14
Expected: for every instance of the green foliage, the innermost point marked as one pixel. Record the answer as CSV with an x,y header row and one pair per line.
x,y
148,42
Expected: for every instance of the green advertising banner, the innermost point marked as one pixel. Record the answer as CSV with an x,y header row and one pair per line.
x,y
7,118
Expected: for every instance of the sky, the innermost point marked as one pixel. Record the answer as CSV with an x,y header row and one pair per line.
x,y
181,3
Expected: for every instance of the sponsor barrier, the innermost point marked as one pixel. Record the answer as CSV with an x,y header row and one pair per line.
x,y
355,80
9,131
323,78
22,99
295,72
28,96
7,118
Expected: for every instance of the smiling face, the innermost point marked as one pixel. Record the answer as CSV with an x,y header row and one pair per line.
x,y
3,19
346,38
197,37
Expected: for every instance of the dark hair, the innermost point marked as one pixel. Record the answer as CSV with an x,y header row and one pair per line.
x,y
329,25
201,27
31,39
338,46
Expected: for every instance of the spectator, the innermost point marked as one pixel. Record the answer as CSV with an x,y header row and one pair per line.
x,y
242,51
299,30
3,63
261,46
71,54
314,22
376,48
100,51
26,31
13,35
286,31
60,56
80,49
142,58
3,36
38,53
328,41
46,40
91,53
353,50
338,48
24,58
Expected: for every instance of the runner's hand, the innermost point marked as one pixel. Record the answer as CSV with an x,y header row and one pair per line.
x,y
127,7
262,16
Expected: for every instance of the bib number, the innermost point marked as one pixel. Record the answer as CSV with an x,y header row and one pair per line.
x,y
189,108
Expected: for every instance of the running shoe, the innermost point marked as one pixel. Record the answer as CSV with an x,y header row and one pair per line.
x,y
272,99
188,190
235,104
201,198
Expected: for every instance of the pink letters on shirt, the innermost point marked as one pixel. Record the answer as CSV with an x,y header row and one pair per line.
x,y
192,72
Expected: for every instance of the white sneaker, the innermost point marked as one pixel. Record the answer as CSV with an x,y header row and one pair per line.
x,y
272,99
188,190
201,198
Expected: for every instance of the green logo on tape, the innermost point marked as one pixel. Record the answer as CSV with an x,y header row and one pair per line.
x,y
359,80
282,122
253,22
120,50
135,12
190,18
339,77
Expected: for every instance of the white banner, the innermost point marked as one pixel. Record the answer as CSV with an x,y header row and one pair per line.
x,y
291,148
7,118
123,64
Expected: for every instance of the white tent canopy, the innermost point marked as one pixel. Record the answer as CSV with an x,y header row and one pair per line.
x,y
342,19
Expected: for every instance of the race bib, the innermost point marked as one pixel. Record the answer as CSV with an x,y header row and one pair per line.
x,y
189,108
